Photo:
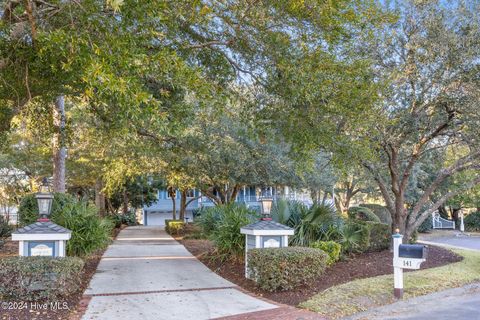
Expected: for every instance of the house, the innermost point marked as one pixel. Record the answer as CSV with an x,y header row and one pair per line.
x,y
155,214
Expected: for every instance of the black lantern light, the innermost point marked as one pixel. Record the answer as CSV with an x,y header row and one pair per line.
x,y
266,202
44,200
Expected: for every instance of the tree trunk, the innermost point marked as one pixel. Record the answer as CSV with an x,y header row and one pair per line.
x,y
59,149
183,204
99,197
125,202
173,194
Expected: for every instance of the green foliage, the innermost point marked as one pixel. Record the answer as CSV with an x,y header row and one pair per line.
x,y
354,237
226,234
285,268
90,232
362,214
331,248
207,218
319,222
426,226
379,235
28,209
39,278
380,211
174,227
129,219
5,228
472,222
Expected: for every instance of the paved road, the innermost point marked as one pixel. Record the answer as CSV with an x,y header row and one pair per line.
x,y
454,304
146,274
451,239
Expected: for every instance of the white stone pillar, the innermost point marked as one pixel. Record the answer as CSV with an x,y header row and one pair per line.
x,y
397,272
462,226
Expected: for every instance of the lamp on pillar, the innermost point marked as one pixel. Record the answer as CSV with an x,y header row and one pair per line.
x,y
266,203
44,200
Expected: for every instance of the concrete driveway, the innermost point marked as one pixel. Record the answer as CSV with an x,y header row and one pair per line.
x,y
145,274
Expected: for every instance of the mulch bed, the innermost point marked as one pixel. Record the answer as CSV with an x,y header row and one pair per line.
x,y
364,265
32,311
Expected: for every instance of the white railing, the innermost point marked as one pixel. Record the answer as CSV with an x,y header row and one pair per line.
x,y
441,223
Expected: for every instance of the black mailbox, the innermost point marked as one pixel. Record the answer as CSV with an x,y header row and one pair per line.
x,y
415,251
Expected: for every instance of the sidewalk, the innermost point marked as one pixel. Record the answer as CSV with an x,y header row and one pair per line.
x,y
459,304
146,274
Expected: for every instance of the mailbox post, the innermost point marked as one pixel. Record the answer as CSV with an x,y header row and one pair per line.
x,y
405,256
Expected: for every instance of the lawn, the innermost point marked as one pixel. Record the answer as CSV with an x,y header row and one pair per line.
x,y
362,294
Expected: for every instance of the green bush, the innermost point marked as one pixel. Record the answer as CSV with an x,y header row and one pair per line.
x,y
354,237
174,227
207,218
5,228
39,278
362,214
285,268
380,235
472,222
129,219
319,222
226,234
426,225
90,232
331,248
380,211
28,209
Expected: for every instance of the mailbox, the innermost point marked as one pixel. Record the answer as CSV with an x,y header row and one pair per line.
x,y
413,251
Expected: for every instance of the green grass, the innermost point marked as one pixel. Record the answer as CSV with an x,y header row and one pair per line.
x,y
363,294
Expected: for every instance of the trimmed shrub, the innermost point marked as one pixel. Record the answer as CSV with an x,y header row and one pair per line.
x,y
28,209
380,211
39,278
379,236
472,222
331,248
226,234
285,268
174,227
362,214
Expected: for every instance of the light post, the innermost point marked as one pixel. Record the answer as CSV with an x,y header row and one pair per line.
x,y
44,200
266,203
462,225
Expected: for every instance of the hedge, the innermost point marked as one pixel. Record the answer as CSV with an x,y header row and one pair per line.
x,y
39,278
379,236
276,269
174,227
363,214
331,248
380,211
472,222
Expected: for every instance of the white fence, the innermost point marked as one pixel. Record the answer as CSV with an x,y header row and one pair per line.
x,y
441,223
